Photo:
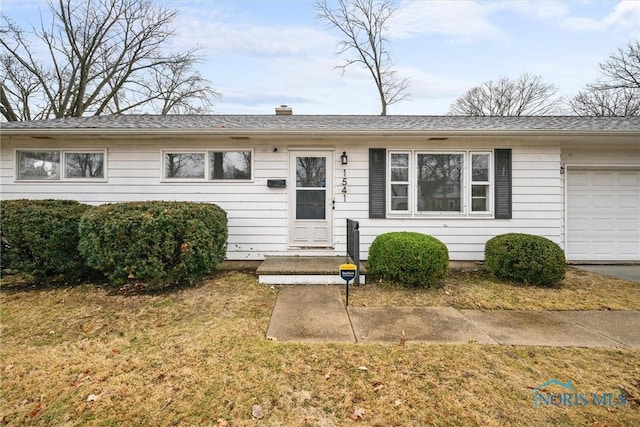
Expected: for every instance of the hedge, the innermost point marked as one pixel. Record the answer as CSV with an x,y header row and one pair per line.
x,y
159,243
40,238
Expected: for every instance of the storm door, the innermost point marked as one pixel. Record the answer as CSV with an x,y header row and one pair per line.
x,y
310,199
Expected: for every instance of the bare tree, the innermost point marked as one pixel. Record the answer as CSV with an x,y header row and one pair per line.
x,y
528,95
363,24
97,57
617,92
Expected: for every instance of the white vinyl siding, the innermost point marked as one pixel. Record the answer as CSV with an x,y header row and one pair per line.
x,y
258,215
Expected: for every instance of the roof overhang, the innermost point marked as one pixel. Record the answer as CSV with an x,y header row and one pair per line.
x,y
556,136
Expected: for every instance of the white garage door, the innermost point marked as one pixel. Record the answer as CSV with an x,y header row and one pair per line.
x,y
603,215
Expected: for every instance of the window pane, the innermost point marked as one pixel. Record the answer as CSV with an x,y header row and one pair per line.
x,y
184,165
479,198
400,175
479,205
311,172
38,165
478,191
480,167
400,167
310,204
230,164
84,165
399,197
439,182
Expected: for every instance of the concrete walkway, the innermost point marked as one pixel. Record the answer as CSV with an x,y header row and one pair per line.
x,y
318,314
627,272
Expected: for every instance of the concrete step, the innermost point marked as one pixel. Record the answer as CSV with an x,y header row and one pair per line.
x,y
299,270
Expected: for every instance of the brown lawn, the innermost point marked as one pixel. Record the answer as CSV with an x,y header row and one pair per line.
x,y
91,355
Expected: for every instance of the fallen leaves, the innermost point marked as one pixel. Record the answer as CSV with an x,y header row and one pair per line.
x,y
358,414
377,386
257,412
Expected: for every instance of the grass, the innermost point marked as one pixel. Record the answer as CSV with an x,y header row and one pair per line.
x,y
91,355
580,290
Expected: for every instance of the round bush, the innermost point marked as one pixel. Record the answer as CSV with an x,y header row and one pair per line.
x,y
40,238
525,258
158,243
408,258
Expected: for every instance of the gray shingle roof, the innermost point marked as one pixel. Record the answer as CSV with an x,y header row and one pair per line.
x,y
328,123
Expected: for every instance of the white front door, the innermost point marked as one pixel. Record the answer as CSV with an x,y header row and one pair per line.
x,y
310,199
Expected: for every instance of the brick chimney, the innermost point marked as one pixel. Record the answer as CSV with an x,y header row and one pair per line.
x,y
284,110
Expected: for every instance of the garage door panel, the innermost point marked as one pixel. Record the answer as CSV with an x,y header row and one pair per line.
x,y
602,224
629,201
629,179
628,248
603,179
603,215
628,224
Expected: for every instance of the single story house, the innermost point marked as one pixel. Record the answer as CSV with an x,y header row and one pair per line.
x,y
289,182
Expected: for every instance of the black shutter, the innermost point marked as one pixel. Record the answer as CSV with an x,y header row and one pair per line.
x,y
503,183
377,183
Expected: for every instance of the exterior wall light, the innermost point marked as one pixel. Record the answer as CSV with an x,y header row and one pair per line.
x,y
344,159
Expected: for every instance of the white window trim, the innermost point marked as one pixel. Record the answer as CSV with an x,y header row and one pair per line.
x,y
207,169
490,184
465,190
406,212
62,152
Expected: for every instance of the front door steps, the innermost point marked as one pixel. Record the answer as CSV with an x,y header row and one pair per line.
x,y
302,270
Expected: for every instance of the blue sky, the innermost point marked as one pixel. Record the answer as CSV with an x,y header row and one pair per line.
x,y
260,54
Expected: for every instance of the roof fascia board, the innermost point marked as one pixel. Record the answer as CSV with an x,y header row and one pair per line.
x,y
313,132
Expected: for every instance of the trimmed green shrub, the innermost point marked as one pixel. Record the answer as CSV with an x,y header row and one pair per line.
x,y
408,258
40,238
158,243
525,258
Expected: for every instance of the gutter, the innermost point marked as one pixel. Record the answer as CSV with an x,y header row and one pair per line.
x,y
142,132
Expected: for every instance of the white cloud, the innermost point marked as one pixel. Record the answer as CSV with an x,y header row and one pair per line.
x,y
214,33
625,16
461,21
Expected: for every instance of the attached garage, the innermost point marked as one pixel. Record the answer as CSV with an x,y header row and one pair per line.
x,y
603,214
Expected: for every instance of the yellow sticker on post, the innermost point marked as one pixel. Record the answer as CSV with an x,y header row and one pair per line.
x,y
348,272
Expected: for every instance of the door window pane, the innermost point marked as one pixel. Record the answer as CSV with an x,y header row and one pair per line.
x,y
84,165
184,165
38,165
311,204
439,178
311,172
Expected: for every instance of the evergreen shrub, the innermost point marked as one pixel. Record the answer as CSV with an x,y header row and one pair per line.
x,y
408,258
158,243
525,258
40,238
